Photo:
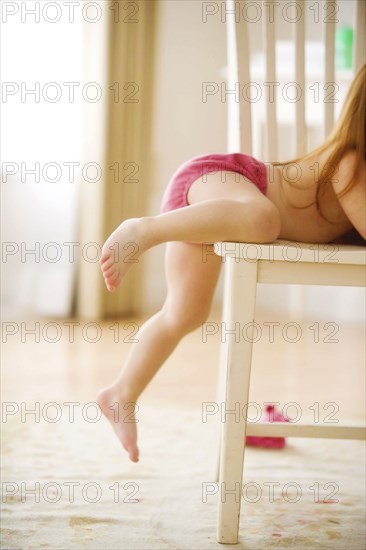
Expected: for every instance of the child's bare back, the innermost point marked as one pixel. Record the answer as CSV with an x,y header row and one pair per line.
x,y
307,224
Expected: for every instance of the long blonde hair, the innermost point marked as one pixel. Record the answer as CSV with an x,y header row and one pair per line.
x,y
347,135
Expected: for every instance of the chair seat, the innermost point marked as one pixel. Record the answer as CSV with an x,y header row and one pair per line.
x,y
288,262
294,252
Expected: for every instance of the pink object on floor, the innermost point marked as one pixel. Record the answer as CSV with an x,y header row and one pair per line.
x,y
270,415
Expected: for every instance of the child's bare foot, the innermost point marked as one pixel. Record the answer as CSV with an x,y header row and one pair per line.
x,y
122,249
121,414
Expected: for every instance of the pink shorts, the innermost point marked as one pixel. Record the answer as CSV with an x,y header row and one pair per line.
x,y
175,195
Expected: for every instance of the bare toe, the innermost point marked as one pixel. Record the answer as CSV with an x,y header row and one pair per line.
x,y
111,279
133,452
107,264
107,274
106,255
113,285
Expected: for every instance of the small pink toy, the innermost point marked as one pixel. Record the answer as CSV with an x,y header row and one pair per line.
x,y
270,415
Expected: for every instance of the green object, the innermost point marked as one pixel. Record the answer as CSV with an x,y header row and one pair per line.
x,y
344,48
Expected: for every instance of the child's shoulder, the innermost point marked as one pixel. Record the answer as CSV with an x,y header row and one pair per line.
x,y
346,172
350,188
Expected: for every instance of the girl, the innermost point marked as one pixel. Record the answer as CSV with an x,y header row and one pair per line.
x,y
317,198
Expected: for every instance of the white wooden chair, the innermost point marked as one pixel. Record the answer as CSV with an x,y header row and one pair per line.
x,y
344,268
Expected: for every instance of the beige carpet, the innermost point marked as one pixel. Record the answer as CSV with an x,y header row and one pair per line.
x,y
160,503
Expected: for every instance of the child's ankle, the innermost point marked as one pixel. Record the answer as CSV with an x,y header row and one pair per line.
x,y
124,393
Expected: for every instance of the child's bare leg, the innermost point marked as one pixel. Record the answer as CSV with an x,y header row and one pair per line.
x,y
191,272
232,211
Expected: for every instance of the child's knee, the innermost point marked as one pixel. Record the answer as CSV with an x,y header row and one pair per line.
x,y
268,223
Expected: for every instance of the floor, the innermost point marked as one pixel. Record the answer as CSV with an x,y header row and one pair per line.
x,y
67,484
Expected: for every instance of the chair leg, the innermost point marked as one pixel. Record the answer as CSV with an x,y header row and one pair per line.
x,y
239,316
220,396
220,393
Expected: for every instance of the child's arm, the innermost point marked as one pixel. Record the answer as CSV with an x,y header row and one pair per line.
x,y
353,202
